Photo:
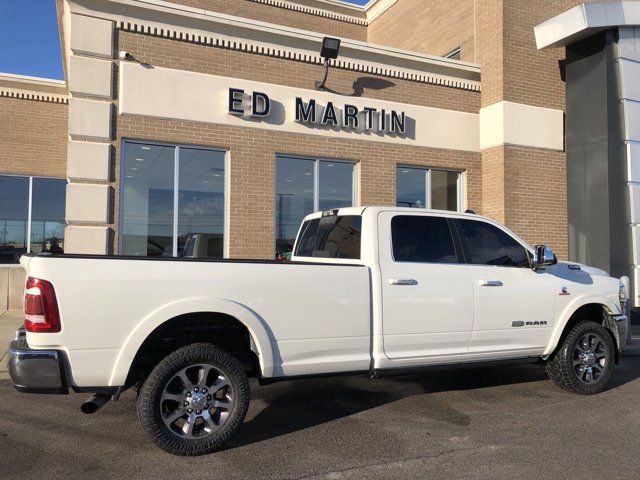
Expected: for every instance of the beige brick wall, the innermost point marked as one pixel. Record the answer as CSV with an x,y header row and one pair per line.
x,y
514,70
537,211
253,151
493,183
513,194
489,29
33,137
281,16
535,206
252,170
162,52
427,26
532,76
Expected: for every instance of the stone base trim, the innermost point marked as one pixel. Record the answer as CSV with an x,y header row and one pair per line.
x,y
86,240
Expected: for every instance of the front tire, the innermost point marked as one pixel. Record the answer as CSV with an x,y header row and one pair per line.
x,y
194,400
584,362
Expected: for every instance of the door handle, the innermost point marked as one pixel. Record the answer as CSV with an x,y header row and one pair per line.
x,y
490,283
402,281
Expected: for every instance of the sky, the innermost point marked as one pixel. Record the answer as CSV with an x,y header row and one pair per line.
x,y
29,41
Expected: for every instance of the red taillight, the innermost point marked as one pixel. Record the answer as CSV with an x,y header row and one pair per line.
x,y
40,307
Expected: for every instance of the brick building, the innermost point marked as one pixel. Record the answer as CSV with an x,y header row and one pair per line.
x,y
197,124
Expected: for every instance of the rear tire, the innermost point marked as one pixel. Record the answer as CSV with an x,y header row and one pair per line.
x,y
584,362
194,400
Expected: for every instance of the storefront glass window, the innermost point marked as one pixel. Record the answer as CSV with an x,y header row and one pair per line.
x,y
411,187
47,215
14,212
169,215
306,185
294,199
336,185
38,230
201,202
444,190
427,188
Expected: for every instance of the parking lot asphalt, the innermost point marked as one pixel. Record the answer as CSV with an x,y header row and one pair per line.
x,y
508,422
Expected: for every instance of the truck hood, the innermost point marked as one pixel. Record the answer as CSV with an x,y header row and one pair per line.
x,y
585,268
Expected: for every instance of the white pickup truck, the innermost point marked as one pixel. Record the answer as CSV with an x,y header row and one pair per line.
x,y
370,289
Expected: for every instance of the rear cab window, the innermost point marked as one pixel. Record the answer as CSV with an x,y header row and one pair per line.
x,y
330,236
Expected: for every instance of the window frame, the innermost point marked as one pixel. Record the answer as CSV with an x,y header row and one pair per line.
x,y
30,202
460,257
452,54
461,194
176,186
465,249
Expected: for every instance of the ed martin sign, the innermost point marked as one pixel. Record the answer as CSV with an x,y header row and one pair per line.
x,y
311,112
214,100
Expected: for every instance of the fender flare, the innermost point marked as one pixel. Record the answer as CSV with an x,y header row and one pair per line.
x,y
564,317
260,333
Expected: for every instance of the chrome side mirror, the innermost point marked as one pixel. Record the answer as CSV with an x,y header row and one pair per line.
x,y
543,257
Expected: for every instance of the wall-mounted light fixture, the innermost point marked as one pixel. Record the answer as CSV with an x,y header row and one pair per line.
x,y
330,50
124,55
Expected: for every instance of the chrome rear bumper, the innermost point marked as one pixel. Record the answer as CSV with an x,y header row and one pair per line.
x,y
35,371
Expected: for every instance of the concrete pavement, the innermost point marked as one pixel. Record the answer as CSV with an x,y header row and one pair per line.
x,y
503,423
500,423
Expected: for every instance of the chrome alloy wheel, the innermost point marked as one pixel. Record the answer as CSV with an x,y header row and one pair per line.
x,y
196,401
590,358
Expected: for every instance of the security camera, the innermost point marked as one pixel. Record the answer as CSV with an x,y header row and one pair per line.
x,y
125,55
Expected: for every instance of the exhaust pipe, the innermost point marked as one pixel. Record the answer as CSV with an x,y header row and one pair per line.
x,y
95,403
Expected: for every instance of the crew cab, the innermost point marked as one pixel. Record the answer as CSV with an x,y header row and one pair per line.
x,y
373,289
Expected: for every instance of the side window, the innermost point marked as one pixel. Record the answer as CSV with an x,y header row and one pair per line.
x,y
422,239
488,245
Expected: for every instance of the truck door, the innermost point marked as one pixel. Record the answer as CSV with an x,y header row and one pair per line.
x,y
514,305
427,295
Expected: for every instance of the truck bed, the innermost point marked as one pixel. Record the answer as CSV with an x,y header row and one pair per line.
x,y
109,304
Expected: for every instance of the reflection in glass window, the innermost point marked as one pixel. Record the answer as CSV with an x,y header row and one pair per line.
x,y
299,193
201,203
45,233
47,215
336,185
422,239
411,187
154,222
294,199
444,190
486,244
147,200
331,237
14,214
426,188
